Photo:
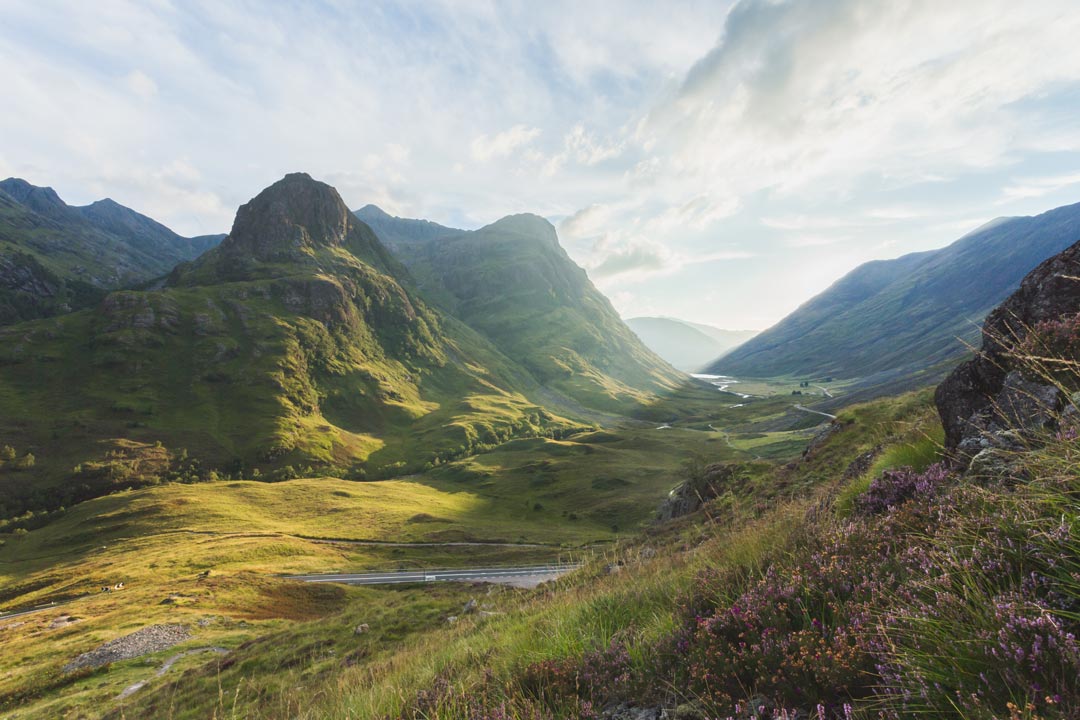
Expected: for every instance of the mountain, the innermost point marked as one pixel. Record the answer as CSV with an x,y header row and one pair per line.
x,y
513,283
55,257
297,342
686,345
891,318
398,233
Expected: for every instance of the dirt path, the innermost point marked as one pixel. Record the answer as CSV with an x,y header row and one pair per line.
x,y
166,666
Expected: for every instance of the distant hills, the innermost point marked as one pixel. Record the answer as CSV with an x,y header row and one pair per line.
x,y
686,345
513,283
889,319
55,257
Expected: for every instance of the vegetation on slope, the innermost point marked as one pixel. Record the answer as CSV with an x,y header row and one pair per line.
x,y
55,258
294,347
906,314
512,282
520,658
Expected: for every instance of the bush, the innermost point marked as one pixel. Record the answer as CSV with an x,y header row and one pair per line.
x,y
895,487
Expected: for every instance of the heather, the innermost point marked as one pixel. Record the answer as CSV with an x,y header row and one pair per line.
x,y
937,596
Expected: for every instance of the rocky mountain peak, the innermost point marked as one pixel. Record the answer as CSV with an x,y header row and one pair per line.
x,y
526,224
43,200
373,212
295,214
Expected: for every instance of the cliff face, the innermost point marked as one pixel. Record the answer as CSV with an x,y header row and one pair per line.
x,y
990,400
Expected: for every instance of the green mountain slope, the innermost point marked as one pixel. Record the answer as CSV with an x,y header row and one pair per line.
x,y
894,317
512,282
297,342
686,345
55,257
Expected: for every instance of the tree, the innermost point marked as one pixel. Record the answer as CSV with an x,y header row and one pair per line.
x,y
26,461
7,453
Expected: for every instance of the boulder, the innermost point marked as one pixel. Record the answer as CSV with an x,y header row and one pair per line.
x,y
989,399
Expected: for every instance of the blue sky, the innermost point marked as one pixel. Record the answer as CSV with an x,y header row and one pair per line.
x,y
720,162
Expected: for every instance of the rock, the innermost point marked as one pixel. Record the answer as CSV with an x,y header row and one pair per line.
x,y
690,711
821,437
451,619
990,394
360,629
993,465
692,494
150,639
625,711
859,466
470,607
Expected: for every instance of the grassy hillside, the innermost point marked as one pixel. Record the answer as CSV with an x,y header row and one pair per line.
x,y
207,555
295,346
307,661
512,282
54,257
907,314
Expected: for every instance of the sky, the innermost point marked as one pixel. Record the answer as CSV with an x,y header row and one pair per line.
x,y
720,162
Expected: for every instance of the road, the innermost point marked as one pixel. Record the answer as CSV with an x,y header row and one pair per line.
x,y
506,575
20,613
816,412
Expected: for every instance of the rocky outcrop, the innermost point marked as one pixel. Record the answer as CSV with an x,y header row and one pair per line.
x,y
992,400
151,639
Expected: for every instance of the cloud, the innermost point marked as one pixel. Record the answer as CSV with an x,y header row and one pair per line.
x,y
812,97
585,223
1032,187
141,84
636,257
639,257
486,148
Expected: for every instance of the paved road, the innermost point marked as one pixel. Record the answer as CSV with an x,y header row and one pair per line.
x,y
39,608
493,574
816,412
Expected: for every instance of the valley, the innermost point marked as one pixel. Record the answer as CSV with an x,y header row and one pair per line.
x,y
309,458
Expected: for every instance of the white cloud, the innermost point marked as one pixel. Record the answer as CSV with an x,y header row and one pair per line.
x,y
811,97
141,84
503,144
585,223
1032,187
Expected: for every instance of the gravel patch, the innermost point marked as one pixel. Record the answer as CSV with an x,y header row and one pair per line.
x,y
141,642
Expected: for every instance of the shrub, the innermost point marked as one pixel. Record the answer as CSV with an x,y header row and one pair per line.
x,y
895,487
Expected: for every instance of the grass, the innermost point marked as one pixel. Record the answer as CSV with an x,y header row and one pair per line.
x,y
283,674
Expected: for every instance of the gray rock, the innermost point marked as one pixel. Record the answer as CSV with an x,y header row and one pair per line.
x,y
142,642
625,711
690,711
993,465
987,394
